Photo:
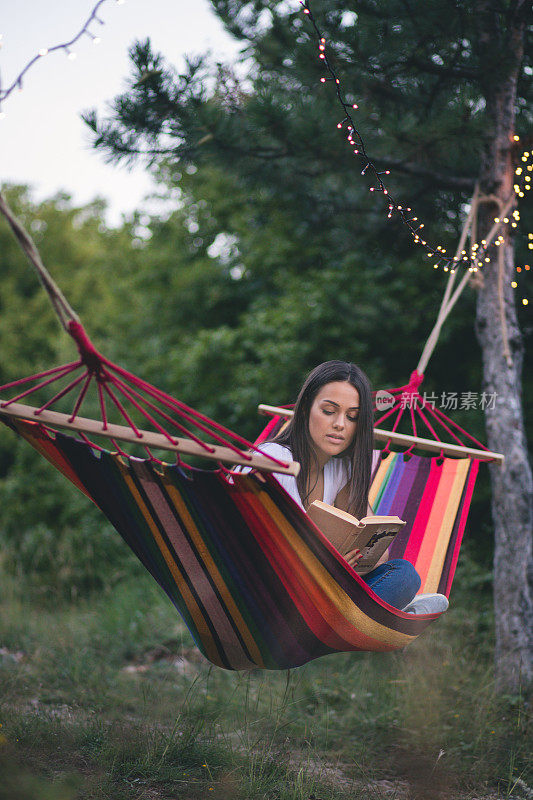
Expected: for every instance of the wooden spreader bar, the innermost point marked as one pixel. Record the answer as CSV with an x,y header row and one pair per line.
x,y
157,440
430,445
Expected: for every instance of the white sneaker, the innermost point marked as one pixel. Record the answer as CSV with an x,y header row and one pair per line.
x,y
427,604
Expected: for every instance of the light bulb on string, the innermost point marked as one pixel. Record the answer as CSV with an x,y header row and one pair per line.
x,y
95,39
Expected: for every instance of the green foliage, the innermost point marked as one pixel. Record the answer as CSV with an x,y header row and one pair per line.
x,y
276,256
311,268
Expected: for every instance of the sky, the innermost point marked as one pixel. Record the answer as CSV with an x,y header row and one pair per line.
x,y
43,141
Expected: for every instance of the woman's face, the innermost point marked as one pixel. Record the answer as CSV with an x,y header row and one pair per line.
x,y
333,419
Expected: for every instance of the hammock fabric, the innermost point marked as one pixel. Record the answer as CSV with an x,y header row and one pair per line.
x,y
255,581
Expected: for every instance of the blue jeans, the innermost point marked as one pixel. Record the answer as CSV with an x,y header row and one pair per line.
x,y
396,581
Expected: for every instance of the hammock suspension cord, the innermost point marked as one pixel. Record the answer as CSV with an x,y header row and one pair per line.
x,y
63,309
449,300
408,396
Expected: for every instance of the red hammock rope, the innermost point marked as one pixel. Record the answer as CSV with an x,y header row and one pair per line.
x,y
408,396
116,383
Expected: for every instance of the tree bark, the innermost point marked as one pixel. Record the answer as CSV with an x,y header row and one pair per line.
x,y
502,348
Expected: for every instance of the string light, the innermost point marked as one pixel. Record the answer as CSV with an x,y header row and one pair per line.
x,y
477,254
95,39
360,150
64,47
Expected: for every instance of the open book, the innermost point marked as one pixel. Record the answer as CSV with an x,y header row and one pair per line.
x,y
371,535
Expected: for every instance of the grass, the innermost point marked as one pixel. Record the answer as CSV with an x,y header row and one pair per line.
x,y
108,698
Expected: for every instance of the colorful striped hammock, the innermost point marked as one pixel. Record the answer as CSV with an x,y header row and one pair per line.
x,y
256,583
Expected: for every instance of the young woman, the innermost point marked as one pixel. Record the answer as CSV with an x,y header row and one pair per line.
x,y
331,436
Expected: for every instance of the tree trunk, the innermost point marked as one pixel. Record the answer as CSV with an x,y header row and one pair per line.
x,y
502,351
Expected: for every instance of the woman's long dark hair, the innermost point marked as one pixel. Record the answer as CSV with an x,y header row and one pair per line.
x,y
296,435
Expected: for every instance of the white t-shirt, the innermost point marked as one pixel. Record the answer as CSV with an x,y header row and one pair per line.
x,y
336,473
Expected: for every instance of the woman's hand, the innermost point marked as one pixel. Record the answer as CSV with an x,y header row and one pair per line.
x,y
353,557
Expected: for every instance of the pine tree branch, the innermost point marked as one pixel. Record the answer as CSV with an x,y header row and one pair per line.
x,y
444,180
430,68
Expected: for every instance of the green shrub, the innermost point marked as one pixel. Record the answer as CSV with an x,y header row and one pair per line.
x,y
52,539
